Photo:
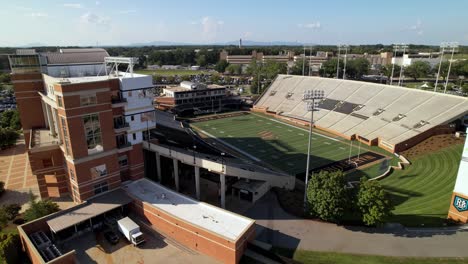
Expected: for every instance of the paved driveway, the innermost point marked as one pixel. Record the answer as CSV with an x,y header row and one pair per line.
x,y
16,173
277,227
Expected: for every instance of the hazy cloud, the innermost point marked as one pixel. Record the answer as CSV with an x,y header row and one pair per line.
x,y
91,18
37,14
98,3
127,11
313,25
417,27
73,5
210,27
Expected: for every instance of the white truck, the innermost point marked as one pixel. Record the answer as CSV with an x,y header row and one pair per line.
x,y
131,231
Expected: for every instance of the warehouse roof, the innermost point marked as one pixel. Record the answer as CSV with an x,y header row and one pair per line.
x,y
93,207
202,215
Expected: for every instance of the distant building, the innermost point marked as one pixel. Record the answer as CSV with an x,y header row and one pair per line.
x,y
432,58
246,59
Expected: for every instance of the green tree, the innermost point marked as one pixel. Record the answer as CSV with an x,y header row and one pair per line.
x,y
11,210
3,218
443,69
418,69
221,66
465,88
2,188
5,78
9,247
234,69
387,71
356,68
8,137
38,209
327,196
373,202
297,67
201,60
214,78
328,68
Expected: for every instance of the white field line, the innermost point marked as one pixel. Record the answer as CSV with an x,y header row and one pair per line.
x,y
334,139
229,145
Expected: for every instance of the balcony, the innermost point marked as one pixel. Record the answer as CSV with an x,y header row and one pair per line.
x,y
121,126
42,140
118,101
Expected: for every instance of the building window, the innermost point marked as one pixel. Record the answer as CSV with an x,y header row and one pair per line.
x,y
59,101
65,135
98,171
130,94
72,175
132,118
123,161
100,188
88,100
93,133
76,194
134,136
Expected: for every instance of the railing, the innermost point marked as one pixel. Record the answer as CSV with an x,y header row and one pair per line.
x,y
123,145
118,100
121,125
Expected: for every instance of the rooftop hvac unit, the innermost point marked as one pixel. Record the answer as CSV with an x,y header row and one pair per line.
x,y
40,240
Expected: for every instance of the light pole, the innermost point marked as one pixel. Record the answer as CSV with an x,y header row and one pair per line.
x,y
403,48
338,63
453,45
310,97
442,50
303,62
194,150
395,50
222,161
345,60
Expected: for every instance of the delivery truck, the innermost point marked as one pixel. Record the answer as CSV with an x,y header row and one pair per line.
x,y
131,231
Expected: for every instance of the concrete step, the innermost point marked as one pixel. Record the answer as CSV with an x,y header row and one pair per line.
x,y
261,244
260,258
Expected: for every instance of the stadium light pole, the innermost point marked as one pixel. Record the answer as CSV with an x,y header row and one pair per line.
x,y
453,45
338,63
303,62
345,60
310,97
310,60
403,48
393,63
442,50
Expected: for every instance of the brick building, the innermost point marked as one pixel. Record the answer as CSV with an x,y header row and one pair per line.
x,y
83,120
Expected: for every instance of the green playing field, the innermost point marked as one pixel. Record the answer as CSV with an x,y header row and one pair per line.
x,y
279,144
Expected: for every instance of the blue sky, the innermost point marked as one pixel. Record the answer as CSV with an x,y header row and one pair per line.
x,y
116,22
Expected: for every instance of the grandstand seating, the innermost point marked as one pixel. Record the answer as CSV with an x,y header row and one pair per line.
x,y
393,114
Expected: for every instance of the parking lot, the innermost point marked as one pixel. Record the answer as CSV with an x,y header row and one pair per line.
x,y
94,248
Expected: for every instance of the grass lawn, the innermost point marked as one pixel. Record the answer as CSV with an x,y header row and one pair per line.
x,y
341,258
281,145
170,72
423,190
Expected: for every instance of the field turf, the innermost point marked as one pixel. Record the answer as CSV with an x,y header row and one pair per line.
x,y
281,145
422,192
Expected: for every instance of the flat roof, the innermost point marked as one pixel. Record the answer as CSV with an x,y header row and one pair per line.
x,y
84,79
200,214
93,207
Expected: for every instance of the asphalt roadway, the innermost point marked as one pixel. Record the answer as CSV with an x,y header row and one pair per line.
x,y
276,227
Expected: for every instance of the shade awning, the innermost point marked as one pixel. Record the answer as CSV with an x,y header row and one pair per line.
x,y
92,208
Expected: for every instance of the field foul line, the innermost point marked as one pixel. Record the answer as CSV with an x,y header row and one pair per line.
x,y
334,139
231,146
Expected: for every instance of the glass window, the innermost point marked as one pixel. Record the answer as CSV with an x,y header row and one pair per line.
x,y
72,175
100,188
134,136
98,171
65,135
123,161
93,133
59,101
88,100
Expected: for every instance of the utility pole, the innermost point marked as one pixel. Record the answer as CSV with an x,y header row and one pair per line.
x,y
453,45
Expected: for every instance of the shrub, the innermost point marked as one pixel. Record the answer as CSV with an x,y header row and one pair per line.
x,y
38,209
11,210
8,137
9,247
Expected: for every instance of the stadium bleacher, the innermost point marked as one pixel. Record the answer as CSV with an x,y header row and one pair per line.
x,y
372,111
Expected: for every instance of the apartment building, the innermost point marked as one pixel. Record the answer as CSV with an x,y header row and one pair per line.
x,y
83,120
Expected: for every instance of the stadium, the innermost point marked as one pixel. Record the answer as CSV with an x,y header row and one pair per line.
x,y
363,129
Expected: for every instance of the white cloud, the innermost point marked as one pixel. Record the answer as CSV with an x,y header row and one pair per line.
x,y
37,14
90,18
98,3
209,26
313,25
73,5
127,11
417,27
248,34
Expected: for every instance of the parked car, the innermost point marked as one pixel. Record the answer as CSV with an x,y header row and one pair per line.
x,y
112,237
